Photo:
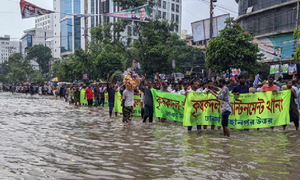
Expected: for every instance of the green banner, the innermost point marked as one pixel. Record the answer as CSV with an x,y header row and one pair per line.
x,y
253,110
118,103
167,105
137,108
82,97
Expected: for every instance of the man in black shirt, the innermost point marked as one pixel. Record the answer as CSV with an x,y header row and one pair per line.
x,y
111,96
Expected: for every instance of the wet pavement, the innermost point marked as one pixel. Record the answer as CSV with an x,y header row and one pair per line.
x,y
44,138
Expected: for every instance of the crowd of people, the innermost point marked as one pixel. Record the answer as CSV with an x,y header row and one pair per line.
x,y
94,94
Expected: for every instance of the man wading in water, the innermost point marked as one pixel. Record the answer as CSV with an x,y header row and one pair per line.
x,y
224,96
111,96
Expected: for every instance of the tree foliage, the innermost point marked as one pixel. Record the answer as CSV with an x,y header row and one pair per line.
x,y
232,49
42,55
17,70
296,37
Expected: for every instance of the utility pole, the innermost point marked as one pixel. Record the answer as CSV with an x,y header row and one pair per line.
x,y
297,24
85,25
211,31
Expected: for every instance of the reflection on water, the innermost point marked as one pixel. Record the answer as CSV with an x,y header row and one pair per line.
x,y
43,138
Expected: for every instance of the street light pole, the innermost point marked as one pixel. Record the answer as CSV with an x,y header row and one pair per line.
x,y
297,24
211,20
85,25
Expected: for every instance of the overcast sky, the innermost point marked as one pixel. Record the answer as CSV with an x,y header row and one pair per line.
x,y
192,10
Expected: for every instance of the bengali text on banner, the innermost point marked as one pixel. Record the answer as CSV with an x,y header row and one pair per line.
x,y
251,110
167,105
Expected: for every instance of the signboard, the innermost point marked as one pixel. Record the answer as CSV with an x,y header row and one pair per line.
x,y
292,69
201,29
274,69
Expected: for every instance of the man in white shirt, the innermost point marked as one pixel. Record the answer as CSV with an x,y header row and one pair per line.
x,y
184,90
128,102
176,89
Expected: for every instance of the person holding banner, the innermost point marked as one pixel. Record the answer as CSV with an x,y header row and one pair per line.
x,y
148,100
294,113
194,87
224,96
111,96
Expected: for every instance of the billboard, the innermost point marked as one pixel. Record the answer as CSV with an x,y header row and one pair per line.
x,y
136,14
276,47
201,29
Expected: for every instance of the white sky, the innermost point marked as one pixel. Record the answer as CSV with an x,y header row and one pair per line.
x,y
192,10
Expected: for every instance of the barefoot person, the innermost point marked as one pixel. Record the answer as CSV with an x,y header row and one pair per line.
x,y
111,96
294,114
89,95
225,105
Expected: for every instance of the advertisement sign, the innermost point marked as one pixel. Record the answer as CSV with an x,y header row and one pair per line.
x,y
201,29
29,10
276,47
173,64
284,68
136,14
292,69
274,69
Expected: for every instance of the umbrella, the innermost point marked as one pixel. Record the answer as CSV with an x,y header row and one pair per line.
x,y
55,79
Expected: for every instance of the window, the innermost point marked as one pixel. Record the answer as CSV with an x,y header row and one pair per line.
x,y
159,14
177,8
164,15
176,28
159,3
164,5
177,18
172,17
173,7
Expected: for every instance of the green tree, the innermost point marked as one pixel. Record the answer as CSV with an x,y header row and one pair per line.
x,y
296,37
232,49
116,76
42,55
158,45
37,77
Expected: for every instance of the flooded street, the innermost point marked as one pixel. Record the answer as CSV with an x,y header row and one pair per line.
x,y
44,138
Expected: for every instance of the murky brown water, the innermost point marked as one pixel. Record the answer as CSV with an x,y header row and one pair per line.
x,y
43,138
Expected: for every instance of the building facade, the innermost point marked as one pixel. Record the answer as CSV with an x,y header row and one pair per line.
x,y
44,22
272,22
69,31
8,47
36,36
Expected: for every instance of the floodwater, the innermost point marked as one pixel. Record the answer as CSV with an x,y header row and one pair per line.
x,y
44,138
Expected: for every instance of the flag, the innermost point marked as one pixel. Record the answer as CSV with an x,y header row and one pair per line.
x,y
256,80
29,10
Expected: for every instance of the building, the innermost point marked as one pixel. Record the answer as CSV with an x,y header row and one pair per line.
x,y
169,10
8,47
69,31
272,22
36,36
44,22
190,41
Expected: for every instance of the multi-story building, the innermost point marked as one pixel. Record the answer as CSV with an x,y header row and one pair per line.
x,y
36,36
44,22
272,22
69,31
8,47
169,10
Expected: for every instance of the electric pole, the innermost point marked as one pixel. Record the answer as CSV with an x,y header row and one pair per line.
x,y
297,24
211,31
85,25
